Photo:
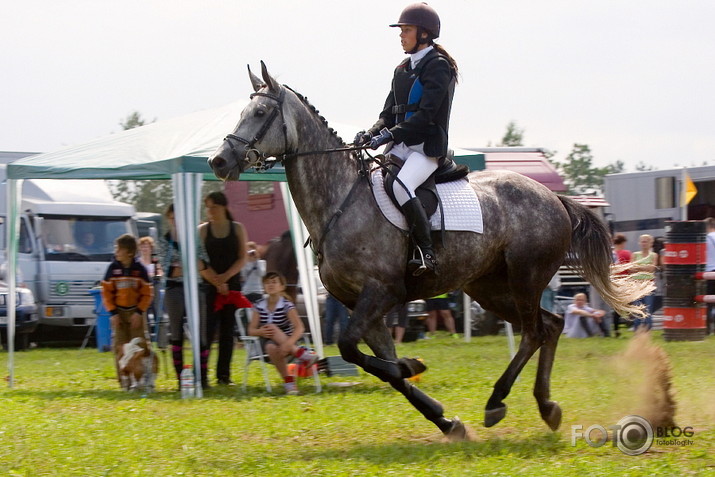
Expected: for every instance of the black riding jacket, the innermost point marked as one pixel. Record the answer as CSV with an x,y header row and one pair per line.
x,y
419,104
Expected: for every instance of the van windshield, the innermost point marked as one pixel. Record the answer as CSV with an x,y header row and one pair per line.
x,y
82,238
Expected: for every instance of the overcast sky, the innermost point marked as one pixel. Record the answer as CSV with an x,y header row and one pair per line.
x,y
633,79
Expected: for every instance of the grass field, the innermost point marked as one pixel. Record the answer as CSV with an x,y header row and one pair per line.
x,y
66,417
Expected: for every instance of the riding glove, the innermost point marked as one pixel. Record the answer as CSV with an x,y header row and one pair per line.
x,y
384,137
362,138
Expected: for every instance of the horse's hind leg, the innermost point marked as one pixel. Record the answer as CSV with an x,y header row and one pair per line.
x,y
495,296
549,410
496,409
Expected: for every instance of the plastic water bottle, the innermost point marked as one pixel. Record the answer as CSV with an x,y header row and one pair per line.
x,y
188,388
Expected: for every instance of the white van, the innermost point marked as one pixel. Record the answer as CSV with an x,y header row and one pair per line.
x,y
67,234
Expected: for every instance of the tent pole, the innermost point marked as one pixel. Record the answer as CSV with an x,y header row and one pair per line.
x,y
305,268
467,307
14,196
187,200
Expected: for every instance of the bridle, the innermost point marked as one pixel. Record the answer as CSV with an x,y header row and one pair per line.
x,y
252,154
257,157
263,163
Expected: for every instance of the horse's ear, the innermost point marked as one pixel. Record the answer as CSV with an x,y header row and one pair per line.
x,y
272,83
255,80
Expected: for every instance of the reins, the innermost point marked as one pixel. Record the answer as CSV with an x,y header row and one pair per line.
x,y
262,163
283,157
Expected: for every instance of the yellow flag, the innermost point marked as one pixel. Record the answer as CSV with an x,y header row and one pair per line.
x,y
689,190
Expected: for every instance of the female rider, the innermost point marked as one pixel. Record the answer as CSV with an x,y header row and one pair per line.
x,y
415,120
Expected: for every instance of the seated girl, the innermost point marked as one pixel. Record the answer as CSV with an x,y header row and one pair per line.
x,y
276,321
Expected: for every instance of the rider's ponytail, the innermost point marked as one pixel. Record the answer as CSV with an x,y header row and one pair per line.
x,y
440,49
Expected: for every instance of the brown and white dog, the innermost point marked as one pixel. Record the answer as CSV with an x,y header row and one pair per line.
x,y
137,365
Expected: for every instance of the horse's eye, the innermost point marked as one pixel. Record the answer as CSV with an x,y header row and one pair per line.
x,y
260,113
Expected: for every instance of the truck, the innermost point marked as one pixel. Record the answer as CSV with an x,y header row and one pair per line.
x,y
643,202
67,233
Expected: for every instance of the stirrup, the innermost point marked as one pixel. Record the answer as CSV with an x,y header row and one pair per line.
x,y
424,262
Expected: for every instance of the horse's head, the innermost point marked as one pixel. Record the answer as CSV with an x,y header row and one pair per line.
x,y
261,131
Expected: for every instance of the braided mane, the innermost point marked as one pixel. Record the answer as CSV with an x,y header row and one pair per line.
x,y
305,101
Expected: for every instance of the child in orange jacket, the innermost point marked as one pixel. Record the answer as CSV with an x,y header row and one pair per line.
x,y
127,293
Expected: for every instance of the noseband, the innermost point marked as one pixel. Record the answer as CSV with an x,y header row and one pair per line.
x,y
252,154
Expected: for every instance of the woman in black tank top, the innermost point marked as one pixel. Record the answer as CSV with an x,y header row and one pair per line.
x,y
225,243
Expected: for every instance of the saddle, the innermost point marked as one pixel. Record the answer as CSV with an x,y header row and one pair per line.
x,y
447,171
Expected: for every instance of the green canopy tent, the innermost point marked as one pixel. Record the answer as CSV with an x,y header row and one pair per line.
x,y
174,149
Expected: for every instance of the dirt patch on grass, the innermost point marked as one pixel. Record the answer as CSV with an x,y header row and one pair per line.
x,y
648,374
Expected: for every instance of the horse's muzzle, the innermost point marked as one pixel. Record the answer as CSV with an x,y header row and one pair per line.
x,y
223,169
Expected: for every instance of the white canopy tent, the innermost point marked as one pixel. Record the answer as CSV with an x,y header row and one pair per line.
x,y
174,149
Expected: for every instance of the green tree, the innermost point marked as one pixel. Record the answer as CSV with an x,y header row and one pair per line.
x,y
616,167
642,166
133,120
579,173
145,196
514,136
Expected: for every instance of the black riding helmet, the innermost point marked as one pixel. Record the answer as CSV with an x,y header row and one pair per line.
x,y
422,16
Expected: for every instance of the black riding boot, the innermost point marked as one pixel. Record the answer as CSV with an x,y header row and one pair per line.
x,y
419,225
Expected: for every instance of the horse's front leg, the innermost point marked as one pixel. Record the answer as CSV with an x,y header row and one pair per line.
x,y
380,342
371,306
367,323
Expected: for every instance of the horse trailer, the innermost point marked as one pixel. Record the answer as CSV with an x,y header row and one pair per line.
x,y
643,202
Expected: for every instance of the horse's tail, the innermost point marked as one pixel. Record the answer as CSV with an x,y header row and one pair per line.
x,y
592,257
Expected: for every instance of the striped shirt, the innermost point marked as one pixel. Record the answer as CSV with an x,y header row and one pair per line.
x,y
279,315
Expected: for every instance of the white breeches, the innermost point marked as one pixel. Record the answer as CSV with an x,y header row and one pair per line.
x,y
414,172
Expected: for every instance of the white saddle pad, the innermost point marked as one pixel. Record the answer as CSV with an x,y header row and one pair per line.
x,y
461,206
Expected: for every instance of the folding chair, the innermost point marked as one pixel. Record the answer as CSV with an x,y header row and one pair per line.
x,y
254,352
252,345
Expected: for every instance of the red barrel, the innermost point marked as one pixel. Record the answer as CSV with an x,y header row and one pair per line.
x,y
685,256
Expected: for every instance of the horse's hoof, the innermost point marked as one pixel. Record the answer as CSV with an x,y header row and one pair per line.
x,y
411,367
551,414
459,432
493,416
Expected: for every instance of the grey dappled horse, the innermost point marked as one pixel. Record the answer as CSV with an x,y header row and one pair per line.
x,y
528,231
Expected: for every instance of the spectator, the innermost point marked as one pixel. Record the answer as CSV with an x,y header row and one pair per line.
x,y
621,256
710,267
174,303
580,319
397,319
148,258
438,306
252,274
335,313
225,244
275,320
548,297
127,294
646,263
